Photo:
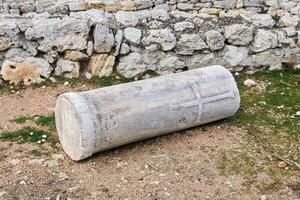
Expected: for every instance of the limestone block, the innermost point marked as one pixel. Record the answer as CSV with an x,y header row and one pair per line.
x,y
131,65
101,65
29,70
264,40
104,39
164,37
189,43
101,119
133,35
238,34
215,40
61,34
67,68
75,56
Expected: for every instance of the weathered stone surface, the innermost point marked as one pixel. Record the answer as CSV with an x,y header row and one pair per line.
x,y
181,26
9,34
104,39
29,70
92,16
75,56
236,56
118,43
264,40
263,20
51,56
185,6
252,3
67,68
127,18
131,65
200,60
77,6
65,34
101,65
125,49
289,21
189,43
239,35
169,64
269,58
164,37
17,52
133,35
215,40
227,4
143,4
130,112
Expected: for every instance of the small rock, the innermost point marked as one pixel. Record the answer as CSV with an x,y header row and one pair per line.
x,y
15,161
250,83
63,176
75,56
297,113
264,197
133,35
58,157
101,65
281,164
2,193
22,182
51,163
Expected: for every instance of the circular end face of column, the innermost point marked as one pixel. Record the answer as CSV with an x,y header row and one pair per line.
x,y
74,126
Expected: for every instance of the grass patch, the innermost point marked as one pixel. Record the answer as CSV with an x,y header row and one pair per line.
x,y
26,134
21,119
108,81
48,121
268,114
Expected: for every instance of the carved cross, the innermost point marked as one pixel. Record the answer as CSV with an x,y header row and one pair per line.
x,y
199,101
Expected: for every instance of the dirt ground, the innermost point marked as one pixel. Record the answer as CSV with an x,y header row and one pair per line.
x,y
182,165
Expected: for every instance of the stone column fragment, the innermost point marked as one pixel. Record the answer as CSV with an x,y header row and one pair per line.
x,y
101,119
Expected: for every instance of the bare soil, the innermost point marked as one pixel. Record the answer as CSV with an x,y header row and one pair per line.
x,y
183,165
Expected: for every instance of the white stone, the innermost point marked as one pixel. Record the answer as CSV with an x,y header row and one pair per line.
x,y
164,37
185,6
181,26
125,49
169,64
127,18
289,21
189,43
250,83
113,116
201,60
118,43
215,40
263,20
64,34
264,40
238,34
227,4
67,68
133,35
131,65
103,39
237,56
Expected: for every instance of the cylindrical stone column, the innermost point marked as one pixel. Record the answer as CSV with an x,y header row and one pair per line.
x,y
96,120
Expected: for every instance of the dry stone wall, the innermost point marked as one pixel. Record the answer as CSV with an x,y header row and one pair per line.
x,y
43,38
